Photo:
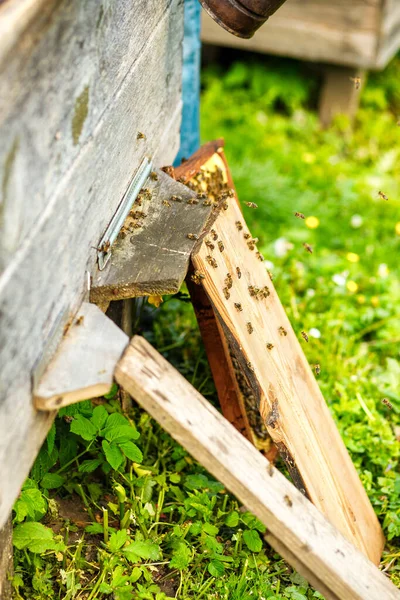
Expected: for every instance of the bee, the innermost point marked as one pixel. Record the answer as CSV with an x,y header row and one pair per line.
x,y
207,202
175,198
270,469
288,500
211,261
181,180
79,320
304,336
299,215
196,277
270,275
251,204
192,201
250,367
214,235
251,245
382,195
228,281
282,331
269,346
136,225
238,272
308,248
122,234
154,176
192,236
387,403
317,369
356,81
166,203
253,291
238,306
104,247
210,245
260,256
201,196
264,293
221,247
138,201
226,293
239,226
246,236
140,136
249,327
225,205
137,214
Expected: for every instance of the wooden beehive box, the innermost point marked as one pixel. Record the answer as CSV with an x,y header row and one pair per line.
x,y
359,33
78,81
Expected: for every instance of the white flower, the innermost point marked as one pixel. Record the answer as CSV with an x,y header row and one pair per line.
x,y
356,221
314,332
383,270
282,247
353,377
310,293
268,264
339,279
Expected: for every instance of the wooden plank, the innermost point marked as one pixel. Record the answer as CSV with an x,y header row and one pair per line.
x,y
389,33
76,56
340,93
83,366
153,259
288,396
223,451
48,274
292,34
6,561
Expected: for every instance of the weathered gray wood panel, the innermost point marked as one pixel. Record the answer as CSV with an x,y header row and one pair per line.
x,y
46,262
338,32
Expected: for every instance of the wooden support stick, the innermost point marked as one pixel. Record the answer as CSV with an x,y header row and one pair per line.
x,y
83,366
223,451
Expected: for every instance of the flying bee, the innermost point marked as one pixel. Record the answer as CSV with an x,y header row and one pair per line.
x,y
282,331
153,176
382,195
192,236
250,367
299,215
79,320
211,261
249,327
387,403
246,236
251,204
197,276
269,346
214,234
175,198
226,293
192,201
239,226
356,81
317,369
238,272
260,256
210,245
238,306
308,248
304,336
140,136
288,500
166,203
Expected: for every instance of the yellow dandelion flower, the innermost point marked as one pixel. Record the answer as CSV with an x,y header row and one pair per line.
x,y
352,257
312,222
375,301
361,299
352,286
308,158
397,228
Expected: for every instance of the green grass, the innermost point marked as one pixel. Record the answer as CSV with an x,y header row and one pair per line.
x,y
149,522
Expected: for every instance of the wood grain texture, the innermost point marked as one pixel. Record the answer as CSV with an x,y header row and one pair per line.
x,y
46,272
154,259
290,401
336,32
83,366
223,451
6,561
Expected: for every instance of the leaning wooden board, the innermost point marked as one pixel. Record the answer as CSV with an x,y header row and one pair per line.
x,y
295,528
291,404
78,81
